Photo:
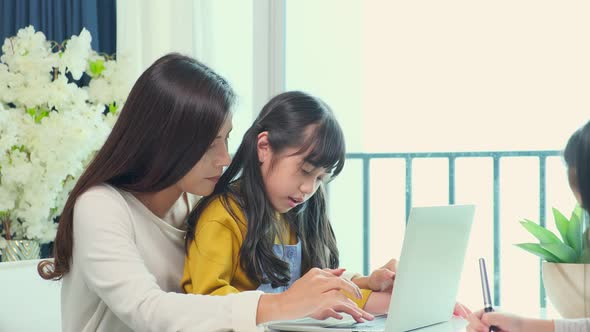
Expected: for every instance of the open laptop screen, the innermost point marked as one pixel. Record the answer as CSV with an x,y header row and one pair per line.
x,y
428,273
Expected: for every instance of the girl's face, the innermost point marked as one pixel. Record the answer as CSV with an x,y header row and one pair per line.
x,y
288,180
201,179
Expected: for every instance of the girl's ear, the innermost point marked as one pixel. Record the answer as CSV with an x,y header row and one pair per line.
x,y
263,147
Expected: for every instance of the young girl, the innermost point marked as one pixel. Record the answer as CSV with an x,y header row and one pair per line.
x,y
577,159
119,247
266,228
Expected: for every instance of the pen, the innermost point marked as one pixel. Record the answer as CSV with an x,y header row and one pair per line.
x,y
485,288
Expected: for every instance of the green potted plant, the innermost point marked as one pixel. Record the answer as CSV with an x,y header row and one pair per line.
x,y
566,261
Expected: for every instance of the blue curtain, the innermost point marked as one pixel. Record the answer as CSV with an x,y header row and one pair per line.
x,y
60,19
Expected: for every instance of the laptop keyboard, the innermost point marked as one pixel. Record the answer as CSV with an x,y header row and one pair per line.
x,y
377,324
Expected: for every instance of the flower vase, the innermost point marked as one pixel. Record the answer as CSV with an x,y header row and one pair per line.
x,y
20,250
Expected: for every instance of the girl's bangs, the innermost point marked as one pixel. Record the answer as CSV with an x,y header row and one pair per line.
x,y
325,148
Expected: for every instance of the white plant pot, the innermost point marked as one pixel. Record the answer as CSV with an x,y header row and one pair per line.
x,y
568,288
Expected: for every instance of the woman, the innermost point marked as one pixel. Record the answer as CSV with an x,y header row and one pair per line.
x,y
119,246
577,159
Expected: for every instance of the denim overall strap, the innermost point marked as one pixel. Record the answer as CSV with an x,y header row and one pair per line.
x,y
292,255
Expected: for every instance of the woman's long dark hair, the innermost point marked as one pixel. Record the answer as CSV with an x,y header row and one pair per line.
x,y
577,158
171,117
286,118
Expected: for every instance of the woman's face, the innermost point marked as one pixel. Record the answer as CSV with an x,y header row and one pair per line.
x,y
201,179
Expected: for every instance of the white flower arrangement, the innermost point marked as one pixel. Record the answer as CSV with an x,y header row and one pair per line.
x,y
50,125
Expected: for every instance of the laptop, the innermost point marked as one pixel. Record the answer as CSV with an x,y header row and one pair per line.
x,y
427,279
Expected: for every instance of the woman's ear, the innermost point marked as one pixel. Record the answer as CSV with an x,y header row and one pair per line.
x,y
263,147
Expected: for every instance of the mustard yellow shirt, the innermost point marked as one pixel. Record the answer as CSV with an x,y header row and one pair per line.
x,y
213,263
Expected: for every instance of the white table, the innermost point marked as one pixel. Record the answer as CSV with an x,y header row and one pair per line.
x,y
29,303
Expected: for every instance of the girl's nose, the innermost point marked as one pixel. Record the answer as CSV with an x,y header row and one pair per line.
x,y
308,186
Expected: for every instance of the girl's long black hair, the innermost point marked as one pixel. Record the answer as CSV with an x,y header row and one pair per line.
x,y
286,118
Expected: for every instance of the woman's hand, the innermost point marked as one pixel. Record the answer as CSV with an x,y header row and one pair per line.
x,y
480,322
381,280
316,294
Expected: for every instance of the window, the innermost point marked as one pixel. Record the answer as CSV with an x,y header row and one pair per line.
x,y
446,76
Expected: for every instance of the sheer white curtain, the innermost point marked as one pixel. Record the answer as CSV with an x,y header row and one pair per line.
x,y
148,29
241,40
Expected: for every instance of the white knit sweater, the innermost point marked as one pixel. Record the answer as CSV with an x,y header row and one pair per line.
x,y
126,269
572,325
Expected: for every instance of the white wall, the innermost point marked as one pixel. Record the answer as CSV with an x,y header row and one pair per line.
x,y
475,75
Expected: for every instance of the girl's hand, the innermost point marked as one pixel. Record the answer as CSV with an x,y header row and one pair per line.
x,y
481,321
316,294
381,280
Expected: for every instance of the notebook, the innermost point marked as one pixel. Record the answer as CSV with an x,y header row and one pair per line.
x,y
427,279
